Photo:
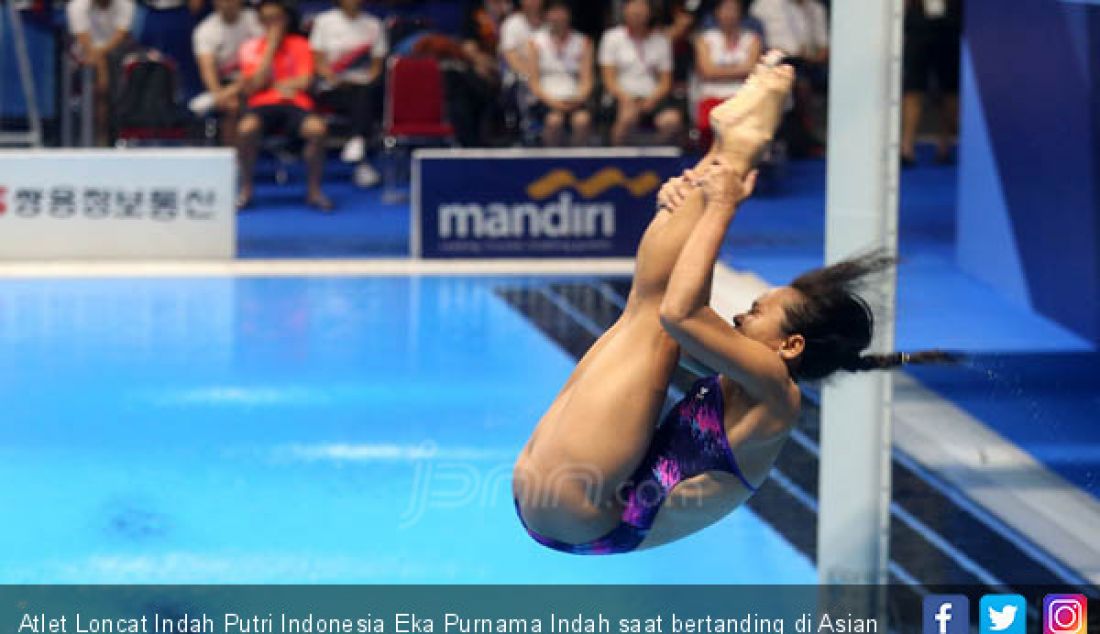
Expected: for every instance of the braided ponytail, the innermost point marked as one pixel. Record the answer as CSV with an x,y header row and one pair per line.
x,y
837,324
870,362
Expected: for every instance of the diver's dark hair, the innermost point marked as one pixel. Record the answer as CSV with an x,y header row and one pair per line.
x,y
837,323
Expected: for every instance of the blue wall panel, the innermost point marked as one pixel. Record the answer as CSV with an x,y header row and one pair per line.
x,y
1037,100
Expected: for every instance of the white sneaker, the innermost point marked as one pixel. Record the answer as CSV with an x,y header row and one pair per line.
x,y
353,150
366,176
202,104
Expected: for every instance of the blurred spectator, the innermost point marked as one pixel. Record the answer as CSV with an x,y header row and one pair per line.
x,y
102,30
277,69
681,18
481,36
216,42
725,55
515,33
468,94
933,32
481,90
636,66
349,47
799,28
561,77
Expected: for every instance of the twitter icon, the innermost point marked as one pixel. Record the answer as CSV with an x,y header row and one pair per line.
x,y
1002,614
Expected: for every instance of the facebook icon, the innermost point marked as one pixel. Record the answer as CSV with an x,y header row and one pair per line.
x,y
946,614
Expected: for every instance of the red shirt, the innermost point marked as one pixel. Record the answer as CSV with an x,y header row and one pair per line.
x,y
292,60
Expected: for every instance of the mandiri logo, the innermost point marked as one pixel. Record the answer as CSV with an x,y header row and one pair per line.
x,y
603,180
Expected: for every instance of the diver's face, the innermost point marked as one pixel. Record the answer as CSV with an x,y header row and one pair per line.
x,y
765,322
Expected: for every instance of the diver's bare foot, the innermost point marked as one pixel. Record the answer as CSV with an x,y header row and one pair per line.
x,y
745,123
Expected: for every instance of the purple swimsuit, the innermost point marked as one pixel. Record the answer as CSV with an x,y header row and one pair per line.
x,y
690,440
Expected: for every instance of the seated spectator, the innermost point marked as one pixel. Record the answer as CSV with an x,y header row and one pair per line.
x,y
636,65
799,28
349,47
681,19
515,33
481,34
561,77
465,89
217,41
725,55
102,30
481,45
277,69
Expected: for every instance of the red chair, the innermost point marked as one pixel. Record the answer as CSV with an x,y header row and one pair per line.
x,y
414,110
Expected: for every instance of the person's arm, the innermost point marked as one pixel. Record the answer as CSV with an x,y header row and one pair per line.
x,y
664,78
120,36
534,81
484,64
682,23
820,35
609,71
260,78
87,48
710,71
685,311
664,86
208,71
377,63
375,71
322,66
302,79
513,52
586,80
123,23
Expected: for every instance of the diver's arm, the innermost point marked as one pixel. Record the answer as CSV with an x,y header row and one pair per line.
x,y
701,332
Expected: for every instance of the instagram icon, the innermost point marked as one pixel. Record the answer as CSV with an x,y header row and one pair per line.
x,y
1065,614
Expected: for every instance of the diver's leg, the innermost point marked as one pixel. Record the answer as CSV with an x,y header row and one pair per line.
x,y
598,429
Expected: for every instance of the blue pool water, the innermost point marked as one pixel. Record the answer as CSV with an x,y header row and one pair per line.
x,y
276,430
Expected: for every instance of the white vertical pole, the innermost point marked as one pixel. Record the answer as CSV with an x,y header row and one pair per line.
x,y
864,117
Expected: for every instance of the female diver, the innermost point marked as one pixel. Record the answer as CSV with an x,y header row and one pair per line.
x,y
600,474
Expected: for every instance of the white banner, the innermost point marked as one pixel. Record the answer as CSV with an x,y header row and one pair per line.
x,y
135,203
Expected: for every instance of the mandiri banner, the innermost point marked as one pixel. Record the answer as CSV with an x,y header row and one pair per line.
x,y
533,203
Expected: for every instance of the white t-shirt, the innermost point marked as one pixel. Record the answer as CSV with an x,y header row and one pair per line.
x,y
638,63
796,28
559,65
348,43
515,32
722,54
214,36
85,16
